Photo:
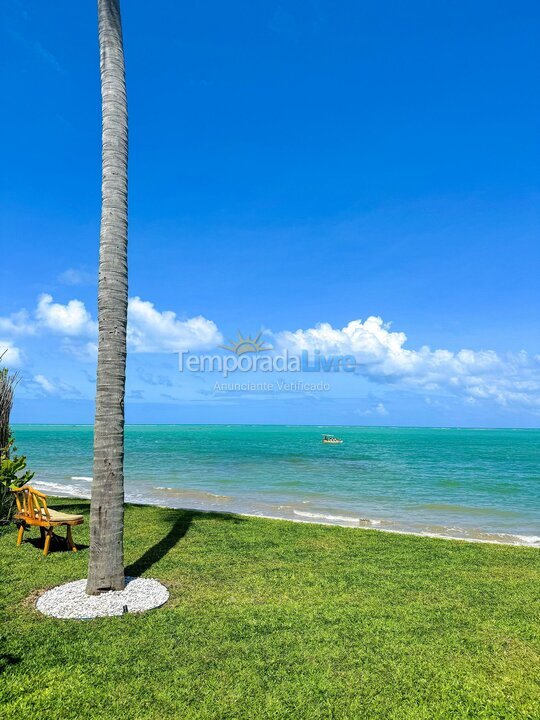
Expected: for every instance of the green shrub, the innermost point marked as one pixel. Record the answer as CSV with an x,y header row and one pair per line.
x,y
12,466
13,473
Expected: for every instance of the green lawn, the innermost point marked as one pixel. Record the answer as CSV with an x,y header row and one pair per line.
x,y
272,619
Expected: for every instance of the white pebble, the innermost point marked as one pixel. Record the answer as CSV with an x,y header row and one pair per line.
x,y
70,601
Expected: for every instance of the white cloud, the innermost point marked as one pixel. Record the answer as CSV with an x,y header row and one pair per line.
x,y
70,319
18,323
10,354
149,330
152,331
377,409
45,384
84,351
41,385
77,276
509,380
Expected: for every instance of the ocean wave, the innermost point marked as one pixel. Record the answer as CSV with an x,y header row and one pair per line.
x,y
61,489
209,501
532,540
185,492
86,478
489,538
323,516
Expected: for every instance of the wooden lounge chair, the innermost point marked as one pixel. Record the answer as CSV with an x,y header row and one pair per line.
x,y
32,510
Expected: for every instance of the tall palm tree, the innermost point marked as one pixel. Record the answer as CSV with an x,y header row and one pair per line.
x,y
106,566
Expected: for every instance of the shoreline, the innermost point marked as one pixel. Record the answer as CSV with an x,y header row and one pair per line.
x,y
352,524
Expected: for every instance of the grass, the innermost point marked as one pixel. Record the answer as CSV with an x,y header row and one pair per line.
x,y
272,619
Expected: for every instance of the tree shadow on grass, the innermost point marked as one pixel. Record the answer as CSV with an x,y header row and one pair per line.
x,y
182,520
8,660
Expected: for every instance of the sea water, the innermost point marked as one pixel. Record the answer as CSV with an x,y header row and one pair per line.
x,y
471,484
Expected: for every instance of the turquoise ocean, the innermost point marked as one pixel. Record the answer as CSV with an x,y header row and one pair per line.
x,y
462,483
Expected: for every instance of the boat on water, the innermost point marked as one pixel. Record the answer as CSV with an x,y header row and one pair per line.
x,y
331,440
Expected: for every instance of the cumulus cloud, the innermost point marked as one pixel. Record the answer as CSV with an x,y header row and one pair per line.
x,y
150,330
10,354
70,319
509,380
18,323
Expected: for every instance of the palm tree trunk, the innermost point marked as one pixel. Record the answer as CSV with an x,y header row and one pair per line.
x,y
106,566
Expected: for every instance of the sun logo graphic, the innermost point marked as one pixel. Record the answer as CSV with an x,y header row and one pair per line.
x,y
246,345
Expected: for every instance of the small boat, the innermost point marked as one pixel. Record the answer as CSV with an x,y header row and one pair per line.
x,y
331,440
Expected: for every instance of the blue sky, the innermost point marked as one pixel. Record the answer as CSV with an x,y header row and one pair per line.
x,y
291,164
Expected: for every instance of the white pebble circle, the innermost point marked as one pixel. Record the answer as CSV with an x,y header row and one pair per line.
x,y
70,601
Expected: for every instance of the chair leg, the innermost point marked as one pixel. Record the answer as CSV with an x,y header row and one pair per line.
x,y
20,535
69,539
47,542
42,533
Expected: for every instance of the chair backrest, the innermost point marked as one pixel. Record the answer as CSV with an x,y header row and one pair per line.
x,y
31,503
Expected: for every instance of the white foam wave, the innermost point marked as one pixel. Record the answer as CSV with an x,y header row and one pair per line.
x,y
532,540
86,478
451,533
327,518
61,489
493,539
323,516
